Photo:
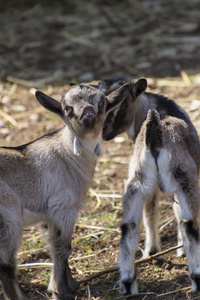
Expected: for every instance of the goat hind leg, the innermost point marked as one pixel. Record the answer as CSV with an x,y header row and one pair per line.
x,y
11,288
133,205
177,210
141,185
151,217
190,231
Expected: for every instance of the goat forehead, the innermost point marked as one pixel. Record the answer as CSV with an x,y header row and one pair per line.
x,y
79,94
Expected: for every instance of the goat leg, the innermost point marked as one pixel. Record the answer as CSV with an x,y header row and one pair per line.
x,y
11,288
151,218
10,234
133,206
177,211
61,283
188,196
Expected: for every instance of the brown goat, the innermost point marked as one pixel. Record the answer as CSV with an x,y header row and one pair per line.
x,y
47,180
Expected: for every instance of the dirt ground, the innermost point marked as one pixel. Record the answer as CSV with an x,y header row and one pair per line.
x,y
47,44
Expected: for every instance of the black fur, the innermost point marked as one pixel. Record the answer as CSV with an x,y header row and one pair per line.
x,y
126,228
131,191
196,278
128,284
182,177
7,277
24,146
126,231
110,84
191,231
163,105
154,134
167,107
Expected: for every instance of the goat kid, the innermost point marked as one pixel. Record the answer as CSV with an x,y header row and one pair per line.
x,y
166,156
47,180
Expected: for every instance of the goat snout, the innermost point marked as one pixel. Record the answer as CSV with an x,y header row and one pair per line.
x,y
88,111
88,116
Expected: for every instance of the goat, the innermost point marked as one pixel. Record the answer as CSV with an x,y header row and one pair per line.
x,y
47,180
166,155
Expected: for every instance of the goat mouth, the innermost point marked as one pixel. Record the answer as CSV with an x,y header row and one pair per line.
x,y
88,112
88,117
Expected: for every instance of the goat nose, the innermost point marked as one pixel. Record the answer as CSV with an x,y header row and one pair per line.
x,y
88,116
89,111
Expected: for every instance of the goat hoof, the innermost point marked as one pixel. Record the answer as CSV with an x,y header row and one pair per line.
x,y
128,288
123,289
150,252
180,252
55,296
74,285
195,281
24,296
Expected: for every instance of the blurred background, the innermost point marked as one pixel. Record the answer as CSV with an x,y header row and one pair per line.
x,y
47,44
58,41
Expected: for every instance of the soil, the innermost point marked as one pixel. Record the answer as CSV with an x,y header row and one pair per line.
x,y
47,44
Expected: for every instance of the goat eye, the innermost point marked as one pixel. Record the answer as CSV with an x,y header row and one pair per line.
x,y
68,108
101,104
69,111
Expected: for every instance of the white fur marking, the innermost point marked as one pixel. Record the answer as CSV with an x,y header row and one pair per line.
x,y
77,146
168,182
92,144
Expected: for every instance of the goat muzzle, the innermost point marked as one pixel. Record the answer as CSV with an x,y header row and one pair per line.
x,y
88,116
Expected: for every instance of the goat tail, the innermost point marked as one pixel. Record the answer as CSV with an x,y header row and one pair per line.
x,y
154,132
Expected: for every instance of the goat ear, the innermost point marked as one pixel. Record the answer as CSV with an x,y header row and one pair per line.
x,y
116,97
49,103
139,87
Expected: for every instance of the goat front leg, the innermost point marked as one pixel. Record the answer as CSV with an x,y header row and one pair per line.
x,y
61,283
133,205
151,217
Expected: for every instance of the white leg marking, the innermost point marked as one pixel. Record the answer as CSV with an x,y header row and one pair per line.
x,y
177,210
151,217
140,185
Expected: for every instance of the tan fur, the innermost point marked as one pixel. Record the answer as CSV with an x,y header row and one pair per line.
x,y
47,181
